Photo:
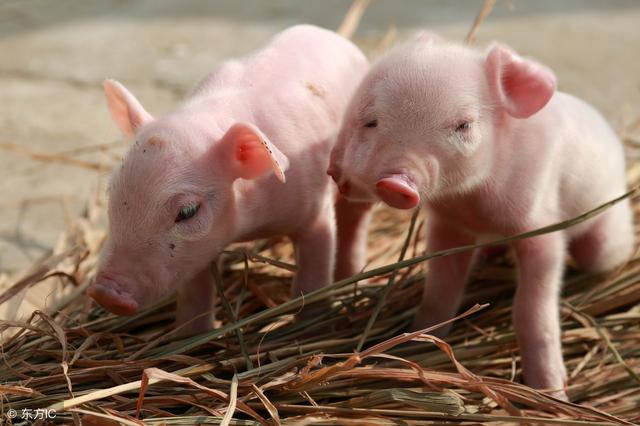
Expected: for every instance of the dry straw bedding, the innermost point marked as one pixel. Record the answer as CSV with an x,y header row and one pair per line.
x,y
352,364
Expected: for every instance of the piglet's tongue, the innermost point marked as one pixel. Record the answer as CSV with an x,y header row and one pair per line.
x,y
398,191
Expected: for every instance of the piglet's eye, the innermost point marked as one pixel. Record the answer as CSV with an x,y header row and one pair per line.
x,y
371,124
463,126
187,212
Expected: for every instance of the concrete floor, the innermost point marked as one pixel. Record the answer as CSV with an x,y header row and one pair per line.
x,y
54,55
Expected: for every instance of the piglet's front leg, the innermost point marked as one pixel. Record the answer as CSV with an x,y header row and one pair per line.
x,y
536,312
352,220
446,278
196,302
315,251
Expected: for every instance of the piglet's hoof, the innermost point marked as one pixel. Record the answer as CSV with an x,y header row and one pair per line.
x,y
312,316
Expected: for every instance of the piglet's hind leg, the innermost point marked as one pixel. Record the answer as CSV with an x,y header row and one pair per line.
x,y
608,242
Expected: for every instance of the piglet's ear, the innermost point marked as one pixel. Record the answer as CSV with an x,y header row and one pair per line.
x,y
125,109
521,85
251,154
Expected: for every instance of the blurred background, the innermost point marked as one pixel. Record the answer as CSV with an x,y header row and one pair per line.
x,y
54,55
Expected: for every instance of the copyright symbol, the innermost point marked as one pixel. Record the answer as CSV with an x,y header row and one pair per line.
x,y
12,414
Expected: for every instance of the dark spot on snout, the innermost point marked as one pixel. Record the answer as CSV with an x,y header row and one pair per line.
x,y
172,246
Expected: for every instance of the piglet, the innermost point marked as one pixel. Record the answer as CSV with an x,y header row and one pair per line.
x,y
242,158
485,141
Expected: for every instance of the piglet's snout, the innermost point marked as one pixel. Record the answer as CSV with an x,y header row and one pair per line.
x,y
109,295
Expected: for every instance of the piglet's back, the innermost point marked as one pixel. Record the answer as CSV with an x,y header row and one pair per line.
x,y
590,149
301,58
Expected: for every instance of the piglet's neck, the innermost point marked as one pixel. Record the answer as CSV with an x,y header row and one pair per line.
x,y
250,211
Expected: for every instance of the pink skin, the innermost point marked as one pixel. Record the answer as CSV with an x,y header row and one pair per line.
x,y
249,147
487,144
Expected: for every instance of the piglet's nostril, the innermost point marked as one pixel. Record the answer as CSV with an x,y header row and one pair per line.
x,y
344,188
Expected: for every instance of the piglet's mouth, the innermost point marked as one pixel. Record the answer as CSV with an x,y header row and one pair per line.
x,y
398,190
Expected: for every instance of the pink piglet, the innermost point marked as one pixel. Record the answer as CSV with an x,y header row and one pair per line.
x,y
483,140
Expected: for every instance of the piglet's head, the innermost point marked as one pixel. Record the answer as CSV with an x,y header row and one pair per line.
x,y
172,201
424,122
